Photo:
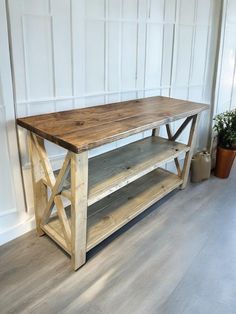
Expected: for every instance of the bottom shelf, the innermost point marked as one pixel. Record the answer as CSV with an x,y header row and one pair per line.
x,y
111,213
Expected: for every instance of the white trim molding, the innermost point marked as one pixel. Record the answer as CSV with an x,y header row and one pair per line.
x,y
15,226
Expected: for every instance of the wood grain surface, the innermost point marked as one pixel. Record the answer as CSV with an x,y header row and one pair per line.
x,y
113,170
83,129
116,210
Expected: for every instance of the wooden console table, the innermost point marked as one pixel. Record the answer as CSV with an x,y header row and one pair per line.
x,y
107,191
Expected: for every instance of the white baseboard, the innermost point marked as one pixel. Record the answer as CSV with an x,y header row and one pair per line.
x,y
8,212
17,229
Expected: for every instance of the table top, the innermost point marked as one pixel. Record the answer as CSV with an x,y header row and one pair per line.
x,y
83,129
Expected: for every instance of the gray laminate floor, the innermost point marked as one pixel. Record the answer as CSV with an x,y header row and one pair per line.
x,y
179,257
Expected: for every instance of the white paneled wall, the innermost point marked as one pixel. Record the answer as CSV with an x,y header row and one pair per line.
x,y
226,83
76,53
7,198
12,205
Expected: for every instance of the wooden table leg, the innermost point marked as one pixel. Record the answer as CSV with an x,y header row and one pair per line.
x,y
184,173
74,237
39,188
79,203
176,160
189,154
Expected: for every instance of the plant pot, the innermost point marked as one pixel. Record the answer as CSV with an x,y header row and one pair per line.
x,y
224,161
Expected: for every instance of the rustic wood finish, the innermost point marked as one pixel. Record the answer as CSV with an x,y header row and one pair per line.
x,y
83,129
111,171
109,190
113,212
39,189
79,203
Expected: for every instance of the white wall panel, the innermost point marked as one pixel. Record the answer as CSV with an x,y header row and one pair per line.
x,y
62,47
154,56
7,199
12,203
95,100
41,107
63,105
167,54
113,56
35,7
231,11
179,92
130,9
226,79
203,11
233,99
195,93
152,92
128,95
187,11
157,10
92,53
95,56
38,56
183,56
95,9
129,57
141,57
143,9
199,55
17,10
114,9
78,40
170,10
226,76
165,92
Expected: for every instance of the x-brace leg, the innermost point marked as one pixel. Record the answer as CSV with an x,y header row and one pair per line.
x,y
184,172
73,224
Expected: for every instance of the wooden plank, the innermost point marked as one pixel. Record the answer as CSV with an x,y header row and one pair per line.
x,y
176,160
39,188
75,129
63,220
114,211
57,188
56,234
118,209
189,154
181,128
79,201
49,175
113,170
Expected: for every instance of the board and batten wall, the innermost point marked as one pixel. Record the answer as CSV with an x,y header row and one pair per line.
x,y
13,219
77,53
225,93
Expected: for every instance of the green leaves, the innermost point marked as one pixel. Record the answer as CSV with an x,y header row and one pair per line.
x,y
225,126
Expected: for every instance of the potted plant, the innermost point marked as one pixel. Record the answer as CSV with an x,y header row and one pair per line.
x,y
225,126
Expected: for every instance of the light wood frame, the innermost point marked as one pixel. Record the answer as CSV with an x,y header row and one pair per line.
x,y
73,238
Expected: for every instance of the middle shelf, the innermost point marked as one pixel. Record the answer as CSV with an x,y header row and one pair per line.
x,y
113,170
